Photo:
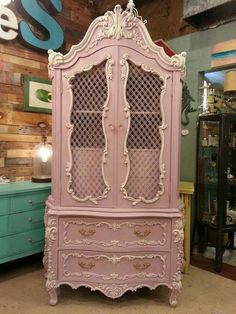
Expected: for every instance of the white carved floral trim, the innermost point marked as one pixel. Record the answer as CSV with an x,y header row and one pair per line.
x,y
115,227
124,76
114,260
50,240
70,127
118,24
178,239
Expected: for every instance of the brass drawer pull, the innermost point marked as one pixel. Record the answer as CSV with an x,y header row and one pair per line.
x,y
141,234
87,266
140,267
87,233
30,219
33,241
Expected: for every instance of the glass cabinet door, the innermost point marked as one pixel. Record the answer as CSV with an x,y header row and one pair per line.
x,y
231,175
208,154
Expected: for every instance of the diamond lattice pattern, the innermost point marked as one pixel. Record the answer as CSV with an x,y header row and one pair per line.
x,y
144,140
90,92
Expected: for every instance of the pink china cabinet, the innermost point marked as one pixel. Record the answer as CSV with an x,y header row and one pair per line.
x,y
114,220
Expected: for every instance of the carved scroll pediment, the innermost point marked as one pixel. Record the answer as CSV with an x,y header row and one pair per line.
x,y
119,24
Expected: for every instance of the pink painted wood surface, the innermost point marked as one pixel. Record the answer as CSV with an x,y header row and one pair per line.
x,y
116,244
89,233
113,268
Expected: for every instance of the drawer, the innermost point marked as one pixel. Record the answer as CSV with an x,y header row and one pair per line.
x,y
81,265
28,201
119,233
4,205
22,242
20,222
26,221
4,225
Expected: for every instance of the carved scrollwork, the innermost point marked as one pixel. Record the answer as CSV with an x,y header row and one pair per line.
x,y
178,61
119,24
178,233
54,59
84,231
70,127
139,266
124,63
50,238
113,291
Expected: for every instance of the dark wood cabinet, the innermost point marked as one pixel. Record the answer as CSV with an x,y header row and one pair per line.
x,y
216,183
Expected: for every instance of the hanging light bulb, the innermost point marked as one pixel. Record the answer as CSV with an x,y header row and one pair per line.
x,y
42,158
44,151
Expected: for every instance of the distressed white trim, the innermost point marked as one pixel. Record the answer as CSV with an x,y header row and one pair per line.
x,y
109,64
119,24
115,260
124,76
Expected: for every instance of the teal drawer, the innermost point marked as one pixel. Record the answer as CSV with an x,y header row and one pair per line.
x,y
26,221
4,225
28,201
4,205
22,242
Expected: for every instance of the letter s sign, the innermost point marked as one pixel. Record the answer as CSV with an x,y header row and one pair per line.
x,y
54,36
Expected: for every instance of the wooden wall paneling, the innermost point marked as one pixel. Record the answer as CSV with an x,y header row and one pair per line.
x,y
24,118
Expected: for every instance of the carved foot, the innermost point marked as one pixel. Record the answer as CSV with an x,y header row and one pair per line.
x,y
173,297
54,293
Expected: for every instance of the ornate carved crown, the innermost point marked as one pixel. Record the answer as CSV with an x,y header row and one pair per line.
x,y
117,24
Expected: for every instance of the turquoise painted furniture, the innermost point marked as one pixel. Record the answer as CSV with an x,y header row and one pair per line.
x,y
21,219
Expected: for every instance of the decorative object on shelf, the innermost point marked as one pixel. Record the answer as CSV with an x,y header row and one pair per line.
x,y
186,105
204,105
4,180
114,221
216,183
42,157
37,94
229,97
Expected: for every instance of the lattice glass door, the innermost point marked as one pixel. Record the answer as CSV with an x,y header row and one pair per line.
x,y
144,141
87,141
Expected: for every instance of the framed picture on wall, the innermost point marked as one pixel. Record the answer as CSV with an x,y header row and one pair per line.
x,y
37,94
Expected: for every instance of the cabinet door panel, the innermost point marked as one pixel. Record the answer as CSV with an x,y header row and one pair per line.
x,y
87,148
144,144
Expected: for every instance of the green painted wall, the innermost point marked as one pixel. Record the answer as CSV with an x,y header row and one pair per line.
x,y
198,47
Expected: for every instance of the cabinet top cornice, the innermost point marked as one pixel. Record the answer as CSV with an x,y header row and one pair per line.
x,y
117,25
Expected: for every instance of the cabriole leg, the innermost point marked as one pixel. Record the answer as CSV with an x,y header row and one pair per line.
x,y
54,293
173,297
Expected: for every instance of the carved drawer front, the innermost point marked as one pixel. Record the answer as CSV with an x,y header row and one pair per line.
x,y
120,234
108,267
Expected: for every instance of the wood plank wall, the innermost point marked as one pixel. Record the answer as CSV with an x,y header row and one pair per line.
x,y
19,132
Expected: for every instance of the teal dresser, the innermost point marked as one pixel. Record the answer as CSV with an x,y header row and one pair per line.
x,y
21,219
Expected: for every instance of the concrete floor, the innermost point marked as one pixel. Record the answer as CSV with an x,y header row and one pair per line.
x,y
22,291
